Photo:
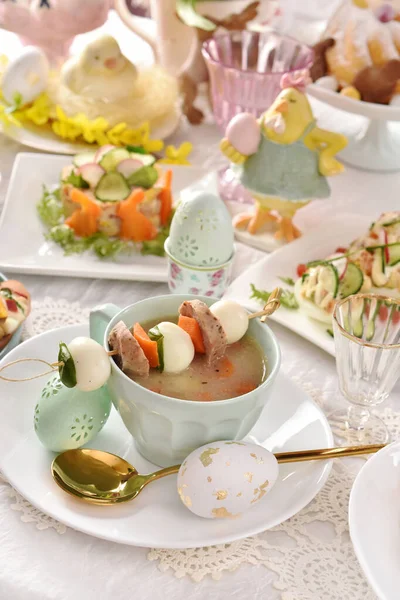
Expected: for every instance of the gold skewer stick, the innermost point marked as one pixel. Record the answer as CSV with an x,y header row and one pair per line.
x,y
272,305
325,453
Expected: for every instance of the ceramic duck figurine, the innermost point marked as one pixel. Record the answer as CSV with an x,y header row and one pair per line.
x,y
282,158
101,71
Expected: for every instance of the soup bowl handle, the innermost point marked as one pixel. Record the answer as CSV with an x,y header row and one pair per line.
x,y
100,316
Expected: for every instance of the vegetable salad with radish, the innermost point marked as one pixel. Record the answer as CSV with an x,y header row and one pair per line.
x,y
111,201
370,264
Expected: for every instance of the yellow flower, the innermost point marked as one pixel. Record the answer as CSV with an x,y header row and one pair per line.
x,y
92,131
114,134
177,156
8,118
149,145
141,137
39,112
65,126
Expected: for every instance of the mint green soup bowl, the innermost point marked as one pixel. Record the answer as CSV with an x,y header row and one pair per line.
x,y
167,429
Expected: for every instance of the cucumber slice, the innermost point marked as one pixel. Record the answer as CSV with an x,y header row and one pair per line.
x,y
329,277
112,158
394,254
112,187
378,268
390,223
84,158
146,159
352,281
145,177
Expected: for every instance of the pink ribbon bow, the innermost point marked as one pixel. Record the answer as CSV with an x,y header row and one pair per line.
x,y
296,79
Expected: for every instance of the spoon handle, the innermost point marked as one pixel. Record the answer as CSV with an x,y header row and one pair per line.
x,y
325,453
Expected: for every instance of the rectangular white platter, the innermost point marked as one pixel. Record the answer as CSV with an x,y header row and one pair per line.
x,y
23,248
339,230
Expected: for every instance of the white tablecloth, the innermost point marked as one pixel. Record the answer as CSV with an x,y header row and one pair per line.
x,y
40,564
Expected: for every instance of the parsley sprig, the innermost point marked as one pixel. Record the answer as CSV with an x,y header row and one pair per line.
x,y
288,299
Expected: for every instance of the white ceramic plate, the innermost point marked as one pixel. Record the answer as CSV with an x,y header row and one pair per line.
x,y
317,244
374,519
156,518
23,248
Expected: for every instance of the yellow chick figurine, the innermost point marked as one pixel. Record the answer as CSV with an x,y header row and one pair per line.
x,y
101,71
282,158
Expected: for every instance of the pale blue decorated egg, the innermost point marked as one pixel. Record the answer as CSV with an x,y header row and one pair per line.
x,y
224,479
67,418
201,231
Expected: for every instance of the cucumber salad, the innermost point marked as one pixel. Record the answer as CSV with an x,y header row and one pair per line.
x,y
111,201
371,263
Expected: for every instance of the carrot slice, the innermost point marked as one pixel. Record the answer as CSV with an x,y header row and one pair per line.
x,y
148,346
83,220
192,327
225,367
135,225
166,197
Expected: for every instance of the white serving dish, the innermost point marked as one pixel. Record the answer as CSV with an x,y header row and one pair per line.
x,y
265,274
376,147
23,248
157,518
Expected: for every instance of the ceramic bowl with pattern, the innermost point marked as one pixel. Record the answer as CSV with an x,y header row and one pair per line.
x,y
210,281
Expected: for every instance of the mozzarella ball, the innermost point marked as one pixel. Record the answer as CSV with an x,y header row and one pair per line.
x,y
178,347
92,364
243,132
233,318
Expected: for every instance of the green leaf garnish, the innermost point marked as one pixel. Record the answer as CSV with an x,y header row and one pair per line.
x,y
186,10
155,334
287,280
330,332
145,177
136,149
67,370
51,213
76,181
50,208
287,298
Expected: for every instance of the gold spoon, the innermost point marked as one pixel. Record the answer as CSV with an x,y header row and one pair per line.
x,y
102,478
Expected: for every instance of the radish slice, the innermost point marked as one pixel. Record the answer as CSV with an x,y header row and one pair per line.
x,y
102,151
340,264
128,166
91,173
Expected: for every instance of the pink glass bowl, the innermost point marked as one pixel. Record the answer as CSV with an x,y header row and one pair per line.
x,y
245,70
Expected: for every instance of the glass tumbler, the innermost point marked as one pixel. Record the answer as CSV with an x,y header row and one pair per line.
x,y
367,339
245,69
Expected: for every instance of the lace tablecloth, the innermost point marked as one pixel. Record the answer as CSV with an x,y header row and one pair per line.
x,y
309,557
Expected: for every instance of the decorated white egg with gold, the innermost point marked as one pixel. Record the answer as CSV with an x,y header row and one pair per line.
x,y
225,479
